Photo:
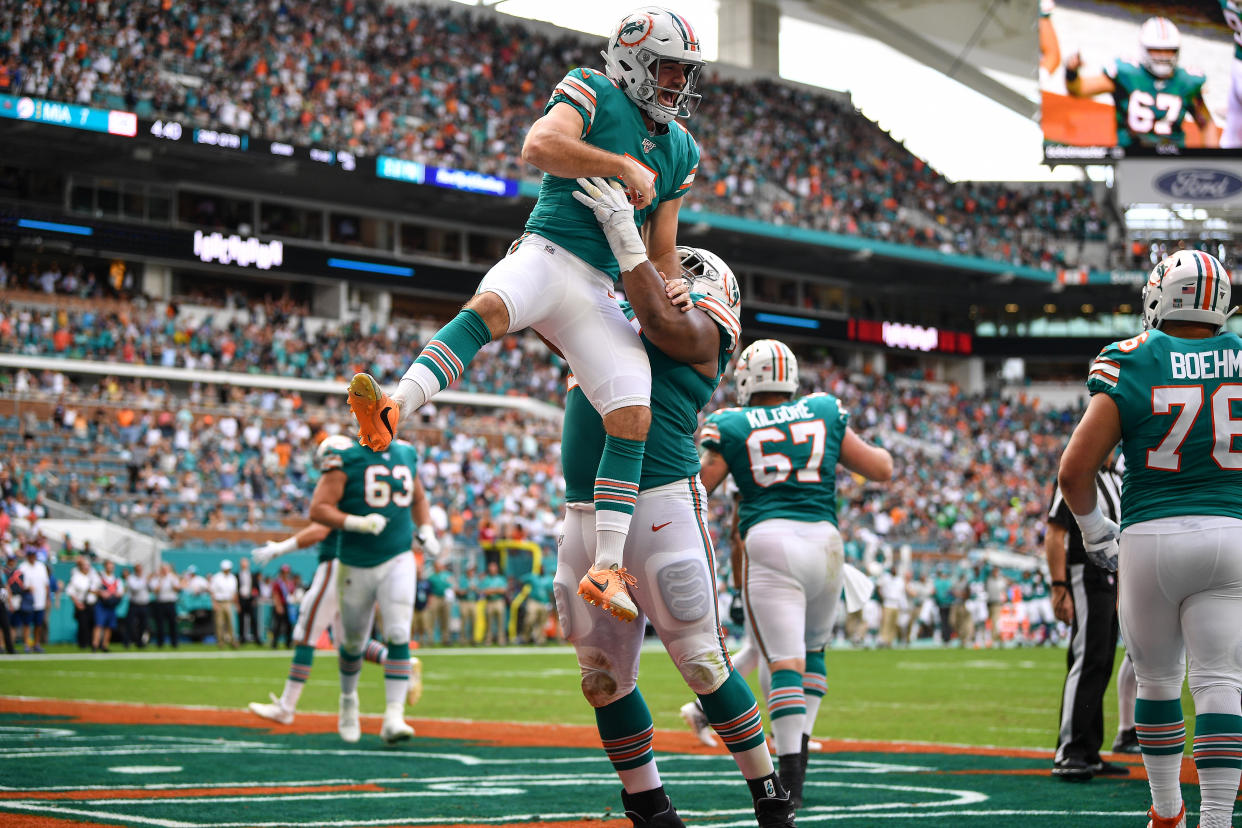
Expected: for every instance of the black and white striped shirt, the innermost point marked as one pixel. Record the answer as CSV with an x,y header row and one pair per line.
x,y
1108,495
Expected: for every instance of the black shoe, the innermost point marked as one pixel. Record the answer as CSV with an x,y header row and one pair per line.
x,y
775,811
638,804
1102,768
1127,742
790,770
1072,769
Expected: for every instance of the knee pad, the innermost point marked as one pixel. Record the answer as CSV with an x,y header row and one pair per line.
x,y
600,683
685,590
700,658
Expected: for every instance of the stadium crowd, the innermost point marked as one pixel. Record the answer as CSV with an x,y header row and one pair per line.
x,y
444,86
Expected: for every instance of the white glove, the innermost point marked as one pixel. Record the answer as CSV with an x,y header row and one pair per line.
x,y
372,524
272,550
1099,539
615,214
428,541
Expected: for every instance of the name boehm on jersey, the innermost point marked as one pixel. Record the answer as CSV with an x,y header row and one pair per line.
x,y
1222,364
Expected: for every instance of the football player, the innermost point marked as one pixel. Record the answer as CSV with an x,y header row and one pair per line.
x,y
669,558
372,500
1231,137
783,453
1152,97
1171,396
319,610
558,275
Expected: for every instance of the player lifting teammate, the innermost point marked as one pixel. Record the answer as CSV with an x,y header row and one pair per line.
x,y
669,555
1152,97
783,453
1171,397
371,500
319,610
557,277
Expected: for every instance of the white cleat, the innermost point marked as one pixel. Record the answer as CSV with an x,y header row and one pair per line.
x,y
696,720
395,729
275,711
416,682
347,718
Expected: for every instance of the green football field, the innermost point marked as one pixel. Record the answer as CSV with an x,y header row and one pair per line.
x,y
926,736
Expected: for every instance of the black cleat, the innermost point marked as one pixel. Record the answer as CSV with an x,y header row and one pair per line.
x,y
1072,769
636,805
1127,742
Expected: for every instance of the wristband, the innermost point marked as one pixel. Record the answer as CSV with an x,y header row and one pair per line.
x,y
283,547
628,261
1064,584
354,523
1093,523
1071,75
426,531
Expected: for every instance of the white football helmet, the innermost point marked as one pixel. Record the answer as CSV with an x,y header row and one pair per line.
x,y
767,365
632,59
333,442
706,273
1159,34
1189,286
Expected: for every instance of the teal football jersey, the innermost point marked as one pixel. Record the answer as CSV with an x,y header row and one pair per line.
x,y
375,481
678,394
1180,402
1150,111
783,458
612,122
1232,9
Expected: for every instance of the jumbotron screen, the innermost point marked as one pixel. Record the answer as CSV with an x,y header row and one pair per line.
x,y
1127,79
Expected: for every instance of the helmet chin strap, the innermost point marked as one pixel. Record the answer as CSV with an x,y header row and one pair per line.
x,y
1232,311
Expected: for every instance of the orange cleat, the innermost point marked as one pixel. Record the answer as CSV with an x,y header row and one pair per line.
x,y
609,588
376,413
1158,821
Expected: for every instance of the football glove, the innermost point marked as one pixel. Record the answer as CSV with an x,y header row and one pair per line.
x,y
737,610
615,214
1099,539
372,524
264,555
272,550
428,541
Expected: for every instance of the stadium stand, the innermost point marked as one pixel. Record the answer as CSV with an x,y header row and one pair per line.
x,y
444,86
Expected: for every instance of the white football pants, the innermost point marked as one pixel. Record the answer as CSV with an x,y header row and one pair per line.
x,y
1180,590
793,580
360,588
670,554
573,306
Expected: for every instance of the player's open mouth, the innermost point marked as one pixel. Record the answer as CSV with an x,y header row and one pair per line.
x,y
668,98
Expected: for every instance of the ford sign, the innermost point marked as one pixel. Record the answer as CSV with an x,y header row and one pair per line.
x,y
1199,184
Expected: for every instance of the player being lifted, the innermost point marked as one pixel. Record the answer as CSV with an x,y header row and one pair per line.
x,y
1153,97
783,453
557,277
319,610
371,500
1171,397
669,555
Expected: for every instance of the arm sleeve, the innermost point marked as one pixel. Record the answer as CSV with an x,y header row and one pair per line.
x,y
575,89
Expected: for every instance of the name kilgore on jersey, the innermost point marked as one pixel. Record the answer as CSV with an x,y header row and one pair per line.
x,y
760,417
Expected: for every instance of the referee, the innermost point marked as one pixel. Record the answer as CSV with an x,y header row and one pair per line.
x,y
1085,597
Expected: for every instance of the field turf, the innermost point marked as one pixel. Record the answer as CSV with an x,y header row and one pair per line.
x,y
926,736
